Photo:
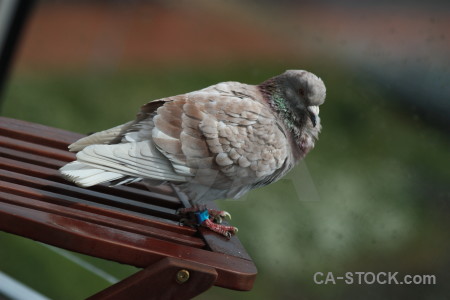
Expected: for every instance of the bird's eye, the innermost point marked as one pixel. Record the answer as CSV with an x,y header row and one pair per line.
x,y
301,91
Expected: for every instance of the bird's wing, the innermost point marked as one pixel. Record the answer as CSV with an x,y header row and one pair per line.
x,y
101,137
114,135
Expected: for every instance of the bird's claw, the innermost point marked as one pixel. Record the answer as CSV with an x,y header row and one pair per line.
x,y
228,234
219,215
226,215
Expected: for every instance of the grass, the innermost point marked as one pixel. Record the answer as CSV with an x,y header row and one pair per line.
x,y
372,196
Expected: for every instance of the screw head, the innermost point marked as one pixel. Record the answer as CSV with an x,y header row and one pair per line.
x,y
182,276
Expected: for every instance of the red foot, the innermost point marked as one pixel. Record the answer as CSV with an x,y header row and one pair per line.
x,y
224,230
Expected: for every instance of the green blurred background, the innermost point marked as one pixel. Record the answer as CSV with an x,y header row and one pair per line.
x,y
373,196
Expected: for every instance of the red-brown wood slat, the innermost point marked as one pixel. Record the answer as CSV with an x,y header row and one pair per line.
x,y
105,220
88,206
29,158
162,281
128,224
118,245
30,170
36,149
38,134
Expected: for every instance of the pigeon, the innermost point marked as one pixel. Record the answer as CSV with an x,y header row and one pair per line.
x,y
215,143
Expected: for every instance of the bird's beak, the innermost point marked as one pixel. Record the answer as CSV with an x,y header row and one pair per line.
x,y
312,115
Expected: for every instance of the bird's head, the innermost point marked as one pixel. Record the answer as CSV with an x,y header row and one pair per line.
x,y
303,92
296,95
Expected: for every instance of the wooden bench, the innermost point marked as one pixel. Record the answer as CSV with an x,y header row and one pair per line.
x,y
126,224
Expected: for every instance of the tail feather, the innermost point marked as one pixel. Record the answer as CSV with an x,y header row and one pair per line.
x,y
119,164
86,176
114,158
121,155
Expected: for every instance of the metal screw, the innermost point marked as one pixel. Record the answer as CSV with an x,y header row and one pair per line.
x,y
182,276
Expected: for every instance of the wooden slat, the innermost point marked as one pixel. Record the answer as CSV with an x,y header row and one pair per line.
x,y
37,160
37,133
51,174
114,244
89,206
159,279
36,149
92,196
105,209
74,213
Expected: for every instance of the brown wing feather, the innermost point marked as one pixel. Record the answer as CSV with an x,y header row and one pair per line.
x,y
225,135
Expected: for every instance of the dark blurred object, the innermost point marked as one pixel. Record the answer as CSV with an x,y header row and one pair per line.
x,y
422,90
13,16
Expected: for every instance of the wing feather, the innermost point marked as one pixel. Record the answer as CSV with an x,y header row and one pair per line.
x,y
102,137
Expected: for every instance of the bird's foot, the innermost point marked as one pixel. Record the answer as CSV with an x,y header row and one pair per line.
x,y
224,230
209,218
